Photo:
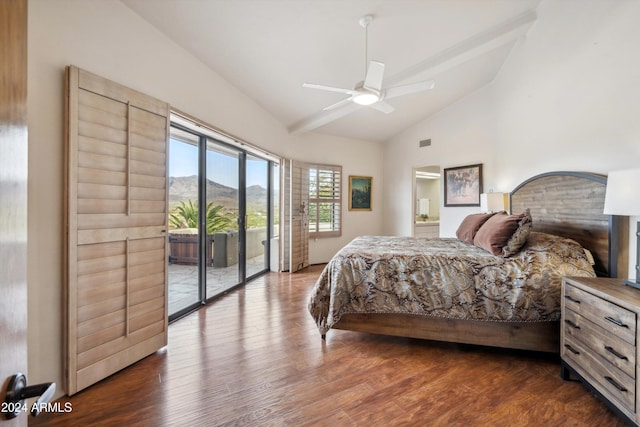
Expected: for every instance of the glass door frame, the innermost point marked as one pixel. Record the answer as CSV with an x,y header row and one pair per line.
x,y
269,215
203,140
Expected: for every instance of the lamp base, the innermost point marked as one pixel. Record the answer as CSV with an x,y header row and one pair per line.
x,y
632,284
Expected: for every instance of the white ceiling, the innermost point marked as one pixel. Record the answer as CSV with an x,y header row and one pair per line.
x,y
268,48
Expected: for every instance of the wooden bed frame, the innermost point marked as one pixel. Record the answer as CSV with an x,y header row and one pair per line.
x,y
568,204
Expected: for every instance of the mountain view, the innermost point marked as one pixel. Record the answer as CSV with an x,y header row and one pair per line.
x,y
186,188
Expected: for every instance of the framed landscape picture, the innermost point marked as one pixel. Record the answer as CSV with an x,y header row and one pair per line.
x,y
360,193
463,185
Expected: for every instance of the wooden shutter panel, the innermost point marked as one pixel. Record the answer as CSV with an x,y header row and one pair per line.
x,y
116,212
299,216
285,215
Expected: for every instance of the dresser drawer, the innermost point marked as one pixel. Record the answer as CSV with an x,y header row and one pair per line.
x,y
616,351
613,318
611,381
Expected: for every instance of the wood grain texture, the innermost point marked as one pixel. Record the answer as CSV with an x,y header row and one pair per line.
x,y
571,204
299,216
13,195
599,338
254,357
602,341
117,217
538,336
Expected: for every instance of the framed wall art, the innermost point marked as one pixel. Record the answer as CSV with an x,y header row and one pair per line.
x,y
463,185
360,188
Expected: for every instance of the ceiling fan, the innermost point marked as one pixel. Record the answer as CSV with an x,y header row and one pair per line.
x,y
370,91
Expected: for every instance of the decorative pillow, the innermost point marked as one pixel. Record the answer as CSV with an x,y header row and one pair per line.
x,y
470,226
519,237
496,232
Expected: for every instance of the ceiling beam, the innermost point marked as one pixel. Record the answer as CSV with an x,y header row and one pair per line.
x,y
320,119
470,48
474,46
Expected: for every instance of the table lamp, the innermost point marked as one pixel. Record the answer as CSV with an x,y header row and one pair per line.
x,y
622,197
492,202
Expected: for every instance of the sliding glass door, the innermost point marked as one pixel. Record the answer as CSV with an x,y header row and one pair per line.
x,y
223,211
184,290
220,220
257,227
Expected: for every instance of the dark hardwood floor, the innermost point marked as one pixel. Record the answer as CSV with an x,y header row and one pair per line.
x,y
255,357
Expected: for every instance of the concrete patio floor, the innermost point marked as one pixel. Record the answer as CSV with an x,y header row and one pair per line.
x,y
183,281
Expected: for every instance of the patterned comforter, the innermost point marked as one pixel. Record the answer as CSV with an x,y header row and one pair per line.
x,y
446,278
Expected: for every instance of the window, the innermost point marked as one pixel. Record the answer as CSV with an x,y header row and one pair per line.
x,y
325,200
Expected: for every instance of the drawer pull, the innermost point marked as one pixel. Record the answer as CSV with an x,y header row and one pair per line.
x,y
571,349
615,384
570,298
570,323
616,322
615,353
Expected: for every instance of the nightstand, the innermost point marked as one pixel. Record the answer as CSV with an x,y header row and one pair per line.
x,y
599,340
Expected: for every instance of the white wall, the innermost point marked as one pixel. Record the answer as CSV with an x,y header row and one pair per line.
x,y
355,158
107,38
460,135
567,99
568,96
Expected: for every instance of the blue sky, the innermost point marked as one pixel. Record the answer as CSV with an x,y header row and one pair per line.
x,y
221,168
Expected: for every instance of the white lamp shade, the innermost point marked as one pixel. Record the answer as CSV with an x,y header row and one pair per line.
x,y
622,196
491,202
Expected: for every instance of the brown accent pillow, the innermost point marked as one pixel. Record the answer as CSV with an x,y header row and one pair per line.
x,y
470,226
520,236
496,232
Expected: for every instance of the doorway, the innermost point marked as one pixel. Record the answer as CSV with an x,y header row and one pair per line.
x,y
426,201
228,244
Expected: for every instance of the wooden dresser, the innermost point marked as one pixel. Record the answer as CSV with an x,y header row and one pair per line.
x,y
599,340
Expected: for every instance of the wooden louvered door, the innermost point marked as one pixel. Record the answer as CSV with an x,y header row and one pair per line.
x,y
116,249
299,216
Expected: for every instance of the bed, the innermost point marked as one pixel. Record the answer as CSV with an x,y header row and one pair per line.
x,y
449,290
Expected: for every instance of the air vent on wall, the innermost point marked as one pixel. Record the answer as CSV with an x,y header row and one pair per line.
x,y
425,143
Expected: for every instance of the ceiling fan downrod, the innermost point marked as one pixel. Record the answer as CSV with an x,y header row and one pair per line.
x,y
364,22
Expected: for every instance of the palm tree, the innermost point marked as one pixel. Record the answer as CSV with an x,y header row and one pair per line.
x,y
185,215
217,219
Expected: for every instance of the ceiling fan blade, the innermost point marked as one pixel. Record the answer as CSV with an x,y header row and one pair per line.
x,y
337,104
396,91
329,88
375,73
383,106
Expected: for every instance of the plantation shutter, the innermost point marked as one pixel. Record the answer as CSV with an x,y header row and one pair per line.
x,y
325,201
299,216
116,221
285,214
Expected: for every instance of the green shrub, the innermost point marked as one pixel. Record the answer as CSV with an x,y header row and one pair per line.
x,y
185,215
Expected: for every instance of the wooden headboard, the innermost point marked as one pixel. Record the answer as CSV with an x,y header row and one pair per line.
x,y
570,204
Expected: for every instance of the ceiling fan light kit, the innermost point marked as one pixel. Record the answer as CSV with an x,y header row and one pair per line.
x,y
370,92
365,98
365,95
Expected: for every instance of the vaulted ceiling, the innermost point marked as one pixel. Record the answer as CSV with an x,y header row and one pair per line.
x,y
268,48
